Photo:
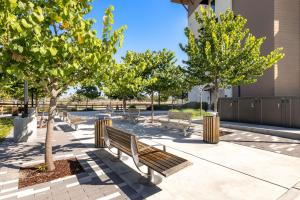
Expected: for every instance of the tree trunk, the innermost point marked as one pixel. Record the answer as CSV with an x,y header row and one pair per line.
x,y
158,98
32,96
124,105
152,106
172,102
216,96
86,106
36,100
49,134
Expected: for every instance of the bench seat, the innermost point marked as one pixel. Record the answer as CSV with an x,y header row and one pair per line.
x,y
160,161
155,159
132,115
177,120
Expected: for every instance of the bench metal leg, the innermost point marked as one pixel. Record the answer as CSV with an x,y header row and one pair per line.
x,y
150,175
151,178
164,148
119,154
184,133
76,127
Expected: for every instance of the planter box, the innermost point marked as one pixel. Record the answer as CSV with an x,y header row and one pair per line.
x,y
25,129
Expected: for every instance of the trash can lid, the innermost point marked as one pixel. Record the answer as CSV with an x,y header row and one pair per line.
x,y
103,116
213,113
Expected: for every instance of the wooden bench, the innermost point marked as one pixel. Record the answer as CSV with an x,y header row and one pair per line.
x,y
177,120
155,159
132,115
109,110
72,120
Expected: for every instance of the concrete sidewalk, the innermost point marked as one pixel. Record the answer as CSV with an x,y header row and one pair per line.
x,y
291,133
223,171
97,181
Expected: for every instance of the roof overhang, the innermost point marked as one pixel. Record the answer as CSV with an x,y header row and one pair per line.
x,y
186,2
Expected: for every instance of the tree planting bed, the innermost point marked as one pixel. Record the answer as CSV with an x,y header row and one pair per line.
x,y
33,175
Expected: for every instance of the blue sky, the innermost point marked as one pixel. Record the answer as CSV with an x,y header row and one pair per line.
x,y
152,24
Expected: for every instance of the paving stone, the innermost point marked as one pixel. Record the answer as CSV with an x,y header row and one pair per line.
x,y
128,191
30,197
291,194
32,152
61,196
297,186
115,178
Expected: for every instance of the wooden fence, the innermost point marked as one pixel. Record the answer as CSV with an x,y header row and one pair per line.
x,y
9,106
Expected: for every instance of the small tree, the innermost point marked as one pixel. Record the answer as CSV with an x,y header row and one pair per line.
x,y
89,92
225,53
51,43
126,80
160,70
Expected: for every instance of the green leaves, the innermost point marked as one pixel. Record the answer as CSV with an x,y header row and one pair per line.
x,y
226,50
13,3
53,51
54,44
25,24
225,53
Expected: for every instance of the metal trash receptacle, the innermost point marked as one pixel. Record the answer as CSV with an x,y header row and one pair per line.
x,y
211,129
102,120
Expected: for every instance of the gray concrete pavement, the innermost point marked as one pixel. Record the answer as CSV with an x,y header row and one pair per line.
x,y
223,171
97,182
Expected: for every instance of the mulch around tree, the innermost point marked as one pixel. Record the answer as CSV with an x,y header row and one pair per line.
x,y
33,175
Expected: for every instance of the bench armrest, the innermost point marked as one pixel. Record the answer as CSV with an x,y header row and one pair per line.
x,y
155,145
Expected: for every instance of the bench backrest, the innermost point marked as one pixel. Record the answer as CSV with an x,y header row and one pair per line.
x,y
133,111
120,139
180,115
65,114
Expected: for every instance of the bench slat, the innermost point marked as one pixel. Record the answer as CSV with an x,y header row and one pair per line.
x,y
161,159
158,160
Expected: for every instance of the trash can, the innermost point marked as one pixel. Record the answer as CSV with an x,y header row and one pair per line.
x,y
101,121
211,125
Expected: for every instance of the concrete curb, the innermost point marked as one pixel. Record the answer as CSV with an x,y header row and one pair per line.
x,y
266,131
263,129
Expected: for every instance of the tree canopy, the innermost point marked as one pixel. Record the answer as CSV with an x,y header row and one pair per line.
x,y
53,44
224,53
88,91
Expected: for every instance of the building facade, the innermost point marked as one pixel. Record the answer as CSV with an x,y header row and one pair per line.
x,y
279,22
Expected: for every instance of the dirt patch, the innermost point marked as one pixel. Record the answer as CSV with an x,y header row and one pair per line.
x,y
33,175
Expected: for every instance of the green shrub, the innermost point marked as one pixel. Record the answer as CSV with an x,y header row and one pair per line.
x,y
196,113
6,125
195,105
160,107
41,168
132,106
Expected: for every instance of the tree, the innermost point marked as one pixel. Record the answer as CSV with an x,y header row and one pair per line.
x,y
126,79
89,92
179,84
52,43
160,70
225,53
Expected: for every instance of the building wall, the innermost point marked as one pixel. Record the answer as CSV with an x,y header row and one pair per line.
x,y
260,16
196,94
287,35
221,6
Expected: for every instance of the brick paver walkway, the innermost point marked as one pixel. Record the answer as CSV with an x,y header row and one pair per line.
x,y
97,182
265,142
